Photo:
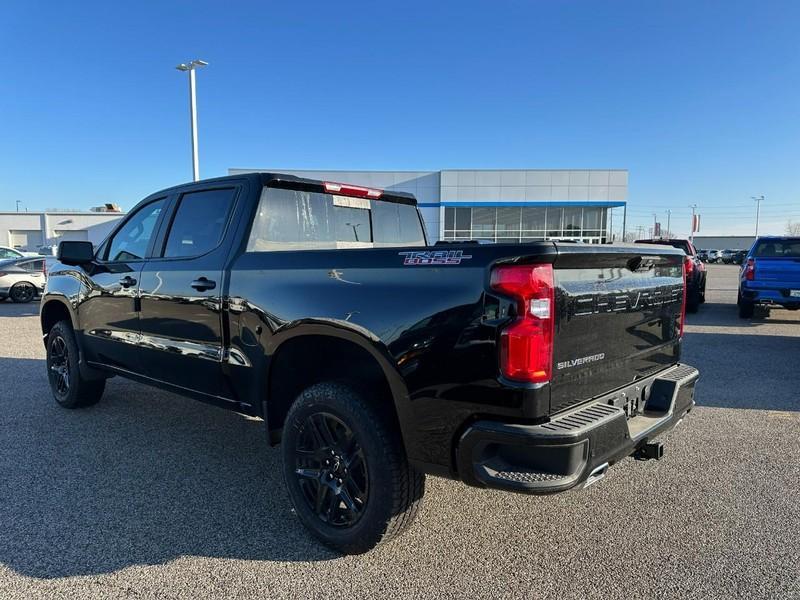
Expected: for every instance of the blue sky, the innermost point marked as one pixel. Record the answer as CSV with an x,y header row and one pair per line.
x,y
699,100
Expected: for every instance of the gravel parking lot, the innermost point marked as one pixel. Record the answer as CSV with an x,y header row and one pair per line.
x,y
150,495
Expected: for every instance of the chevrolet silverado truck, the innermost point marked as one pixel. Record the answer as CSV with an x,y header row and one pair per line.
x,y
372,357
770,275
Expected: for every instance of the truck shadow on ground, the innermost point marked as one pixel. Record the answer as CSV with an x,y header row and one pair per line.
x,y
142,478
10,309
745,371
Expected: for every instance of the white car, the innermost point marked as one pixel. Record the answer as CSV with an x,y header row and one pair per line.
x,y
22,279
8,252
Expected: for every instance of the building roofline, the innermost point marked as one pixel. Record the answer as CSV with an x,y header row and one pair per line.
x,y
258,170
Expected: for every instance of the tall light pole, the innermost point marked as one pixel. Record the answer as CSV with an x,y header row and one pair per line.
x,y
759,200
691,233
669,217
191,67
655,224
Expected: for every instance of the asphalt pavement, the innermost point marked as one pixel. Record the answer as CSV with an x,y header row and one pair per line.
x,y
150,495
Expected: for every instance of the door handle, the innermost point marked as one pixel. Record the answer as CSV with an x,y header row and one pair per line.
x,y
202,284
127,281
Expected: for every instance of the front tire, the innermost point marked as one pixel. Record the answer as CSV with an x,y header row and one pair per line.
x,y
69,388
346,471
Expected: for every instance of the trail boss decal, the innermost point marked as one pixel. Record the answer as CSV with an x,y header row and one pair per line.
x,y
434,257
576,362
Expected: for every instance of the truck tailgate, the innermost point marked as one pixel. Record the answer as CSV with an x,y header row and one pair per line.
x,y
618,318
777,273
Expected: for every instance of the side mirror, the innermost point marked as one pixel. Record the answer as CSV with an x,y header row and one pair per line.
x,y
75,253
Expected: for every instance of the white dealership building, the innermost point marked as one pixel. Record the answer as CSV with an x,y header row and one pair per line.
x,y
500,205
31,230
505,205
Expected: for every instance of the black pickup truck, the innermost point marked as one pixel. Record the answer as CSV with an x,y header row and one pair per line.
x,y
372,357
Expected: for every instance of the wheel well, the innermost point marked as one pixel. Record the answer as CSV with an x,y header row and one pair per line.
x,y
52,313
306,360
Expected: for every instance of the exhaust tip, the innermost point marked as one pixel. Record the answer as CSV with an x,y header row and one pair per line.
x,y
596,475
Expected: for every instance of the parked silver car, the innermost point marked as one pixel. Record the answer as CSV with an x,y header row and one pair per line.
x,y
22,279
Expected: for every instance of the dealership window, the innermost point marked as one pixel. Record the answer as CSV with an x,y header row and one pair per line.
x,y
508,224
534,223
525,224
572,221
554,215
484,221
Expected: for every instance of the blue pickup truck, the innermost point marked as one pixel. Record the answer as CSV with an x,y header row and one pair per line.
x,y
770,275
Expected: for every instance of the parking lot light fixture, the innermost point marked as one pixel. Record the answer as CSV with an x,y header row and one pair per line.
x,y
190,67
759,200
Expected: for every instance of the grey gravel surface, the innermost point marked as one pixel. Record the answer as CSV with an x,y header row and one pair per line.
x,y
149,495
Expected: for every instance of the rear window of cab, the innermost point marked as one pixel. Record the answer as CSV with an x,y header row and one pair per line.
x,y
784,248
301,220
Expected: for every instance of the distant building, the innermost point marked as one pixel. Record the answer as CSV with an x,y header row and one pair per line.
x,y
31,230
723,242
503,205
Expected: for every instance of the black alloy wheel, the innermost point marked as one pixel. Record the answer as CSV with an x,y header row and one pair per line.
x,y
58,366
346,470
70,388
23,292
331,470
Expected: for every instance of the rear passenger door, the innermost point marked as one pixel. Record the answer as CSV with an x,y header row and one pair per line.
x,y
36,271
180,291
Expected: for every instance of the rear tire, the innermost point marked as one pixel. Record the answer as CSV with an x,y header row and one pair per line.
x,y
746,309
69,388
692,302
346,471
22,292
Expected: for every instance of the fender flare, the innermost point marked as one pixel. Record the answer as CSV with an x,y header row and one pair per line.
x,y
49,300
360,336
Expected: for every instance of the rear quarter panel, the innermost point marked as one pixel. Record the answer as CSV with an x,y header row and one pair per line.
x,y
428,323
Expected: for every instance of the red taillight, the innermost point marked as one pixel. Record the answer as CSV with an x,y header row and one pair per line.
x,y
689,264
683,302
750,270
345,189
526,345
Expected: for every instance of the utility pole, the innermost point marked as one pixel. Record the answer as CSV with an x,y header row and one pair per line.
x,y
691,233
669,216
624,221
759,200
190,67
18,203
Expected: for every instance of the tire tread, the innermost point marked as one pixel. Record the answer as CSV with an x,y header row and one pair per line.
x,y
408,485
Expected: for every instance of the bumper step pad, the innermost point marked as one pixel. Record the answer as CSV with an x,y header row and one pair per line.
x,y
558,455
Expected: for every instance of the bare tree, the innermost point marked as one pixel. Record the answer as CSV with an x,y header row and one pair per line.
x,y
793,228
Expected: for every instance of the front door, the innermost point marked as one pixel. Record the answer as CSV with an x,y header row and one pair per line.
x,y
181,294
109,313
